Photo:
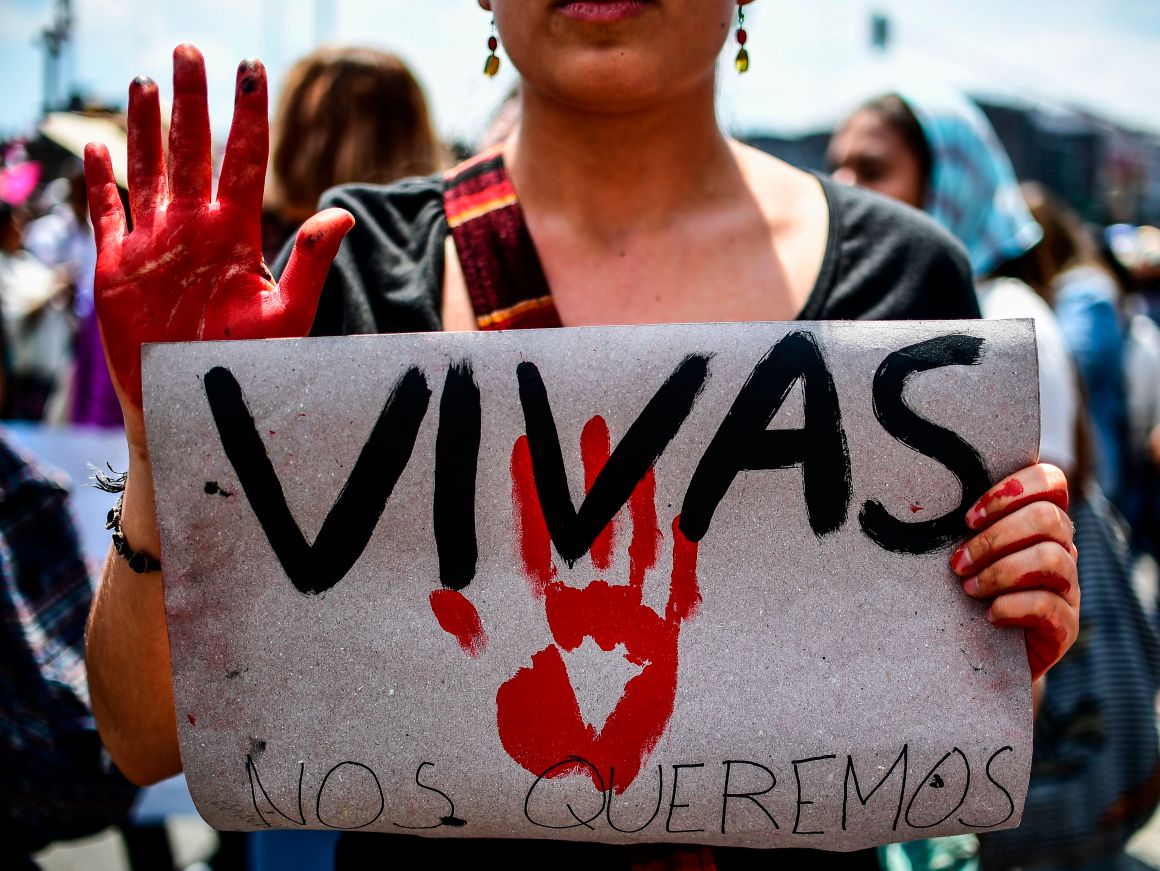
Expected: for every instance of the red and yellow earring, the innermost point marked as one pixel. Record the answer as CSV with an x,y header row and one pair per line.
x,y
742,62
491,65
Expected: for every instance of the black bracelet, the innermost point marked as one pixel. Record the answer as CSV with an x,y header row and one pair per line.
x,y
138,561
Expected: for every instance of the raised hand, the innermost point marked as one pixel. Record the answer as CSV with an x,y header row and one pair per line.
x,y
1024,560
191,268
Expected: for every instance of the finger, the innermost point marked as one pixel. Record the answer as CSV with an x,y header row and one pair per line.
x,y
595,448
1039,482
1051,625
1046,566
105,208
314,249
644,548
244,167
1029,525
684,593
189,156
148,186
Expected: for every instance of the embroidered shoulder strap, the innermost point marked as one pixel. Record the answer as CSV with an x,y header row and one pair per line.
x,y
500,265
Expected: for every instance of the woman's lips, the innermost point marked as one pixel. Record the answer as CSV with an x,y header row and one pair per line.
x,y
603,10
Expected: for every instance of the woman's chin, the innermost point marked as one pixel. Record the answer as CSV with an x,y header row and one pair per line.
x,y
615,80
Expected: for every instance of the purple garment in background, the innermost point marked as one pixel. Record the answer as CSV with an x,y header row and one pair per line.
x,y
94,401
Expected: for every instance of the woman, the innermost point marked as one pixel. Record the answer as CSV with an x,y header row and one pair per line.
x,y
1091,785
1068,273
640,210
934,150
345,115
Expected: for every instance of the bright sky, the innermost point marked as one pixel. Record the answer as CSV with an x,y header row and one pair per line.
x,y
811,59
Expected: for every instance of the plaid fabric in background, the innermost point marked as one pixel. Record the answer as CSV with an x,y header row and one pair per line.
x,y
972,191
55,779
1095,772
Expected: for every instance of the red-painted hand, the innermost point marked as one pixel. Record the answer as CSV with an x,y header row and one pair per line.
x,y
1023,559
191,268
538,714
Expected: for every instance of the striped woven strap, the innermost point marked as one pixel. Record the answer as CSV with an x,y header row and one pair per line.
x,y
500,265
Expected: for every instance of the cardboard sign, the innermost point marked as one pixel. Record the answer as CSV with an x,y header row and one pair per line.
x,y
663,584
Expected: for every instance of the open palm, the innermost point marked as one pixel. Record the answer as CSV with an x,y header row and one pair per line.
x,y
191,268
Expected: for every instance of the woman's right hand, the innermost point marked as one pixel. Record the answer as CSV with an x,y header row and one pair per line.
x,y
191,268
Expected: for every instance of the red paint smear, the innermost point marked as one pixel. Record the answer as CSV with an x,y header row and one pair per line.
x,y
1009,490
1045,641
540,724
595,448
646,533
192,719
531,530
915,508
1012,490
1042,581
458,618
537,715
1008,549
684,594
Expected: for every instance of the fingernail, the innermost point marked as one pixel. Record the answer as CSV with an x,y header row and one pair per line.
x,y
990,616
971,588
961,560
142,81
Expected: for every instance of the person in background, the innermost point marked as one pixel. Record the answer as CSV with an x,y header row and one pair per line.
x,y
1095,771
1125,255
937,152
345,115
56,782
1067,271
38,322
63,239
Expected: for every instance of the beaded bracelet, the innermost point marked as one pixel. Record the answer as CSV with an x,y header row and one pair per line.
x,y
138,561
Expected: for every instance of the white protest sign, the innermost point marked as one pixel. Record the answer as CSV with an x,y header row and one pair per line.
x,y
678,583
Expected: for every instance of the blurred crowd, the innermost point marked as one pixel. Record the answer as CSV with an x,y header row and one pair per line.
x,y
358,115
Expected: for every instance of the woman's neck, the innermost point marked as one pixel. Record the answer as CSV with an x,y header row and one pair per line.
x,y
609,171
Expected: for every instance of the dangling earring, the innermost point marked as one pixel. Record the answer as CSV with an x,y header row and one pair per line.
x,y
491,65
742,62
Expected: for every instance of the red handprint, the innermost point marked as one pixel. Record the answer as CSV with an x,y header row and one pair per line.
x,y
191,268
538,714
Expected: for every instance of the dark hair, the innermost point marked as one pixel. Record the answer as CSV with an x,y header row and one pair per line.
x,y
1066,242
347,115
894,111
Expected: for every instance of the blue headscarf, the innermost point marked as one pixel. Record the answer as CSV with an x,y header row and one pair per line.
x,y
972,191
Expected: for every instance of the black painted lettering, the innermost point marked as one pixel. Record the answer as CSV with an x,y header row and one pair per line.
x,y
656,811
252,774
743,441
851,774
572,763
456,461
574,531
345,800
674,804
800,801
348,527
1002,789
929,439
448,819
750,796
934,780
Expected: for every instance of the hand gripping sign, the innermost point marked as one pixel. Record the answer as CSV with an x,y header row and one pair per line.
x,y
673,583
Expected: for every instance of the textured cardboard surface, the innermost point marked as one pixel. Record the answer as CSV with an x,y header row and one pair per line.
x,y
828,692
